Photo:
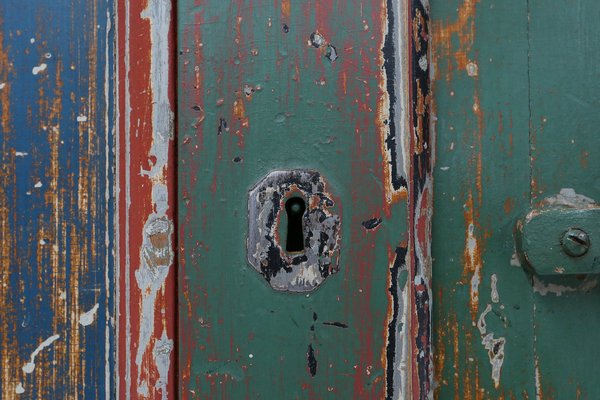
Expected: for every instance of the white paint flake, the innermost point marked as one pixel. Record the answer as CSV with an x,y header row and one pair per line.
x,y
514,260
81,118
543,288
495,347
32,40
38,184
87,318
495,297
20,389
423,63
30,366
21,154
472,69
2,84
162,359
40,68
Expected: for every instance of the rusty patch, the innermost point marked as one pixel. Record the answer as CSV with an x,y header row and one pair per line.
x,y
464,29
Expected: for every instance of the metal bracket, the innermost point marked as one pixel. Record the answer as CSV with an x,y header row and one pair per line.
x,y
561,236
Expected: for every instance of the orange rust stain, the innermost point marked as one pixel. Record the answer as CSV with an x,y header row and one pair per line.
x,y
439,356
285,10
239,110
5,70
418,24
455,355
478,147
509,205
464,28
583,159
9,357
421,109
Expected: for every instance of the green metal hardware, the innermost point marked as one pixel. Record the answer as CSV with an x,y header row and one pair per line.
x,y
558,239
575,242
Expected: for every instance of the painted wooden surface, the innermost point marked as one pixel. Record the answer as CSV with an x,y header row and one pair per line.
x,y
564,99
145,179
56,199
337,87
515,86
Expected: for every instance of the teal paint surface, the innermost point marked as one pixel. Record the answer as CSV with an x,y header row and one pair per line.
x,y
514,89
257,95
564,49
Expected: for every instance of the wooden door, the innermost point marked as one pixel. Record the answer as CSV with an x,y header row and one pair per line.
x,y
516,89
326,102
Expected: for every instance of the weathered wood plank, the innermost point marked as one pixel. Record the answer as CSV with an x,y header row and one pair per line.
x,y
483,310
565,82
279,85
56,199
146,181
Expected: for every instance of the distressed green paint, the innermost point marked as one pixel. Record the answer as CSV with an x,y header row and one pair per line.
x,y
515,95
482,188
550,245
254,98
565,52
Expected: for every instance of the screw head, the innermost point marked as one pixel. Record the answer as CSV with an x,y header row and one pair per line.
x,y
575,242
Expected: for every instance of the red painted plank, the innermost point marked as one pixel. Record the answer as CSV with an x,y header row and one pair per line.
x,y
146,325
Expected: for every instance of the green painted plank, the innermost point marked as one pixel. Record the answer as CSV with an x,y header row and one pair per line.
x,y
565,82
482,186
256,95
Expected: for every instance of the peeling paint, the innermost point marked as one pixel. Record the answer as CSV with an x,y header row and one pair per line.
x,y
494,283
39,68
162,358
567,197
30,366
544,288
87,318
495,347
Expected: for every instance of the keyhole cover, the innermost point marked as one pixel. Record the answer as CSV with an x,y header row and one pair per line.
x,y
309,253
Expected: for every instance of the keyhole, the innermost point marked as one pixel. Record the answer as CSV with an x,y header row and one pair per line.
x,y
295,207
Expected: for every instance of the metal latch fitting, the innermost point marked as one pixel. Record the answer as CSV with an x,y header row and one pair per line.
x,y
561,236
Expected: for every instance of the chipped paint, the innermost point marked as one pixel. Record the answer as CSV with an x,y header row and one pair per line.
x,y
30,366
494,288
398,341
393,108
88,317
39,68
162,356
495,347
544,288
146,135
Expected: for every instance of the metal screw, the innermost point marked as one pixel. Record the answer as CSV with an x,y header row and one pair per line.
x,y
575,242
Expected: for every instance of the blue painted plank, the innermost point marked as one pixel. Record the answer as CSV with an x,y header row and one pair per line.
x,y
56,199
